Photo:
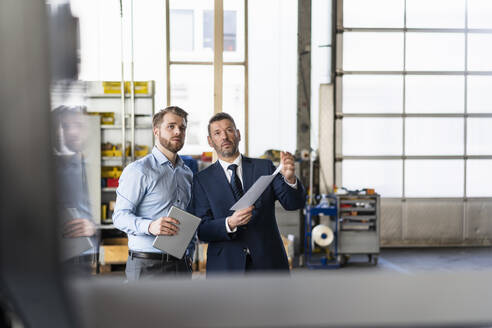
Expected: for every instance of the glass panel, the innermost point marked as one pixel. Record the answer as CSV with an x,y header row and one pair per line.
x,y
376,13
480,52
434,94
479,13
435,52
372,51
208,29
371,136
479,178
187,24
150,63
372,94
234,33
233,98
479,135
272,75
192,90
434,178
479,94
99,26
434,136
182,30
436,13
384,176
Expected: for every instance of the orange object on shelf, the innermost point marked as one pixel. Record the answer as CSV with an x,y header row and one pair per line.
x,y
206,156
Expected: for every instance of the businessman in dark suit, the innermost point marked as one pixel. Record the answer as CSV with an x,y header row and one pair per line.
x,y
247,239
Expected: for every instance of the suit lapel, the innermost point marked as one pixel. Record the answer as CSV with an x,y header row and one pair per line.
x,y
248,173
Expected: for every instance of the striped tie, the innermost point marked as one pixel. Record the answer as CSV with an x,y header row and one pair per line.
x,y
237,188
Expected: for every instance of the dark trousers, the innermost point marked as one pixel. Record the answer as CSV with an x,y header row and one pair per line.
x,y
142,269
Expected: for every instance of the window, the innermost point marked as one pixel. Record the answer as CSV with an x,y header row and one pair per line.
x,y
415,108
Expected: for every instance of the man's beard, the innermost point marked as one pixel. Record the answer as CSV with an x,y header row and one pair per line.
x,y
174,148
226,153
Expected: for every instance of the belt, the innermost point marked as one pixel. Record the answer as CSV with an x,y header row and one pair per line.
x,y
153,256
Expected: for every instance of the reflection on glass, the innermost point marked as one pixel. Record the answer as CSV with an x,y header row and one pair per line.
x,y
384,176
372,136
479,13
233,97
435,52
372,51
434,178
192,90
434,136
434,94
79,242
435,13
375,13
372,94
478,178
479,98
479,135
479,52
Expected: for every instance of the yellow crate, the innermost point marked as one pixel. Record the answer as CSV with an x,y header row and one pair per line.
x,y
113,172
114,150
107,153
141,150
107,118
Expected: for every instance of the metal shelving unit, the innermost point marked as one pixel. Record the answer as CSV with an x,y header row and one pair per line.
x,y
358,226
132,123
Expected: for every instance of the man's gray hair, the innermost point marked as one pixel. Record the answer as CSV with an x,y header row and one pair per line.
x,y
219,117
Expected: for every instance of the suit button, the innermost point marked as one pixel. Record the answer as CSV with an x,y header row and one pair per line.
x,y
245,228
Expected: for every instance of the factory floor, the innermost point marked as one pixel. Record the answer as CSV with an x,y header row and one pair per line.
x,y
405,261
410,260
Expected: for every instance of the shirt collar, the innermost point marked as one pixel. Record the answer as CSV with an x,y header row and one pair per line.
x,y
238,161
162,159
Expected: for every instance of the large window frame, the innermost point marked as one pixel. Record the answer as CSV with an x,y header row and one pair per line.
x,y
404,115
218,63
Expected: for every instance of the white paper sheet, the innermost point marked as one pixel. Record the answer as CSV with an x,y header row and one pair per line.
x,y
253,193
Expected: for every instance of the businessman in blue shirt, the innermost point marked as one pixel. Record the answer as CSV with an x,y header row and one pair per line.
x,y
148,188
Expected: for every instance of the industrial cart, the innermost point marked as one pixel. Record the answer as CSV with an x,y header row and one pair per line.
x,y
358,227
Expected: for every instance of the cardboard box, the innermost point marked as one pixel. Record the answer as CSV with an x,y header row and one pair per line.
x,y
113,251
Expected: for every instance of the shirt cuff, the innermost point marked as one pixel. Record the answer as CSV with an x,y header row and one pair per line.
x,y
144,226
293,185
227,226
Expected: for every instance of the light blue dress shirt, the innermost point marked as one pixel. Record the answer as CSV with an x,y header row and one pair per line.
x,y
147,189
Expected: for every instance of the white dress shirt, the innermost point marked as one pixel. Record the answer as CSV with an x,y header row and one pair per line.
x,y
239,171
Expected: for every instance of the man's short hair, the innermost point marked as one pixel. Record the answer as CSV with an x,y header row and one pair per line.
x,y
219,117
159,116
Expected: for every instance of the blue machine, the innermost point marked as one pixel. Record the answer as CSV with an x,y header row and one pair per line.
x,y
330,259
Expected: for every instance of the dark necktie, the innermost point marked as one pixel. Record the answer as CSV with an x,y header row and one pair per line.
x,y
237,188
